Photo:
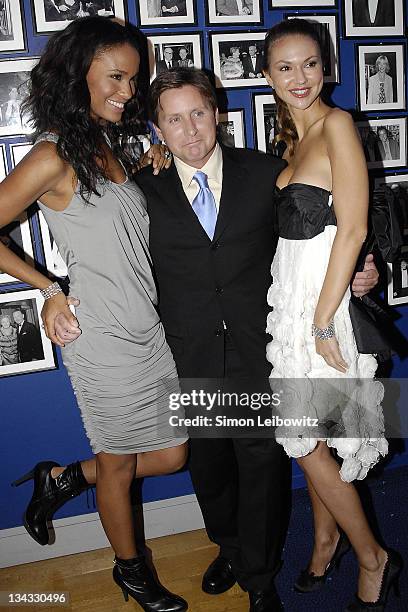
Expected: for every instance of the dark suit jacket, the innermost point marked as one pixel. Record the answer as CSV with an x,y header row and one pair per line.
x,y
161,65
29,343
202,282
248,67
385,14
394,149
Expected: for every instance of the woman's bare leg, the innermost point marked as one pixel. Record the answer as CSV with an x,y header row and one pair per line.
x,y
153,463
114,475
343,503
326,534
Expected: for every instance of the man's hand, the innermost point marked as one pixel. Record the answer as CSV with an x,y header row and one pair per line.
x,y
367,279
67,327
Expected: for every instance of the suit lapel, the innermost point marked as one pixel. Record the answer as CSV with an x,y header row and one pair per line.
x,y
233,191
175,198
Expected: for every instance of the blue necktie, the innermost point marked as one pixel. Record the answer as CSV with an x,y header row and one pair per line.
x,y
204,205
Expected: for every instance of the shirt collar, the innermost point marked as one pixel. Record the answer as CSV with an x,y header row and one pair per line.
x,y
212,168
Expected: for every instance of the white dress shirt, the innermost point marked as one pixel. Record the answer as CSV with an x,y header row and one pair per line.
x,y
213,170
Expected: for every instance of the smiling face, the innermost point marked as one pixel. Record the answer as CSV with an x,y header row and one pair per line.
x,y
5,322
168,54
111,81
18,317
382,134
187,123
295,70
382,66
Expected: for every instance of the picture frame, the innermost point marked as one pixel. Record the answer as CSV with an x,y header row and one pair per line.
x,y
17,234
222,12
48,18
381,77
264,112
14,74
12,28
388,21
329,35
151,13
302,4
384,141
231,128
231,54
32,351
54,263
397,290
159,57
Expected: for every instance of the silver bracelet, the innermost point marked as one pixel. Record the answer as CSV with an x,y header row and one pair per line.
x,y
50,291
323,334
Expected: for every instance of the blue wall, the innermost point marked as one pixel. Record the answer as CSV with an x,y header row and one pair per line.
x,y
39,417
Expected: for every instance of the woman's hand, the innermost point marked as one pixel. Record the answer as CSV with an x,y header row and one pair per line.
x,y
330,351
53,307
158,155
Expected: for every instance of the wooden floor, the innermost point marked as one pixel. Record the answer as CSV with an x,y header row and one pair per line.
x,y
179,559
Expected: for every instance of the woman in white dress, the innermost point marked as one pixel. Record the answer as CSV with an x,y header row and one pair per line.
x,y
322,211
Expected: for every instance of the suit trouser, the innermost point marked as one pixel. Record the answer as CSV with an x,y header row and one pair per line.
x,y
243,487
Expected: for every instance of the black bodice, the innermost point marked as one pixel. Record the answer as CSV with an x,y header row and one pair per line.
x,y
303,211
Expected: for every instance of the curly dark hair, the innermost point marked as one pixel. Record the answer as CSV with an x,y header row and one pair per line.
x,y
59,99
301,27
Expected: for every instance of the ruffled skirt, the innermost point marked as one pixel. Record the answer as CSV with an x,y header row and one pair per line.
x,y
319,402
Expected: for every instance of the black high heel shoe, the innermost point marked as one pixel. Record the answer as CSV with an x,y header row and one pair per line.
x,y
307,582
390,578
49,494
136,579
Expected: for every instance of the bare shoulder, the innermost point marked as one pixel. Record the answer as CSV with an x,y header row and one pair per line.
x,y
44,158
336,121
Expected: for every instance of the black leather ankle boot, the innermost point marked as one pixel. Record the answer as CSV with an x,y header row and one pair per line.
x,y
137,580
49,494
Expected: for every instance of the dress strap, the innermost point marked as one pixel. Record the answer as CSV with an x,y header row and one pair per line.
x,y
47,137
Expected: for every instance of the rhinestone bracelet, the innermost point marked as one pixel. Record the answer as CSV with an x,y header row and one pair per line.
x,y
50,291
323,334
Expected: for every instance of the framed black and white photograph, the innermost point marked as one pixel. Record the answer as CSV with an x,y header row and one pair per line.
x,y
373,18
238,59
264,114
54,263
14,75
301,4
381,82
326,26
173,51
384,142
24,347
154,13
12,36
52,15
231,128
234,11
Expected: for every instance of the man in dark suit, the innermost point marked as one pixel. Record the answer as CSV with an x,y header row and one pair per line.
x,y
29,343
167,62
388,148
252,63
369,13
212,294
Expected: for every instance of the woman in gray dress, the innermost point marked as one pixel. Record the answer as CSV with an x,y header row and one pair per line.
x,y
84,104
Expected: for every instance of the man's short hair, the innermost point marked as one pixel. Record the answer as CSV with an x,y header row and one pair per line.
x,y
175,78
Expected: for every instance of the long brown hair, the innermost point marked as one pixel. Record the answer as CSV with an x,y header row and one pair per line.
x,y
300,27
